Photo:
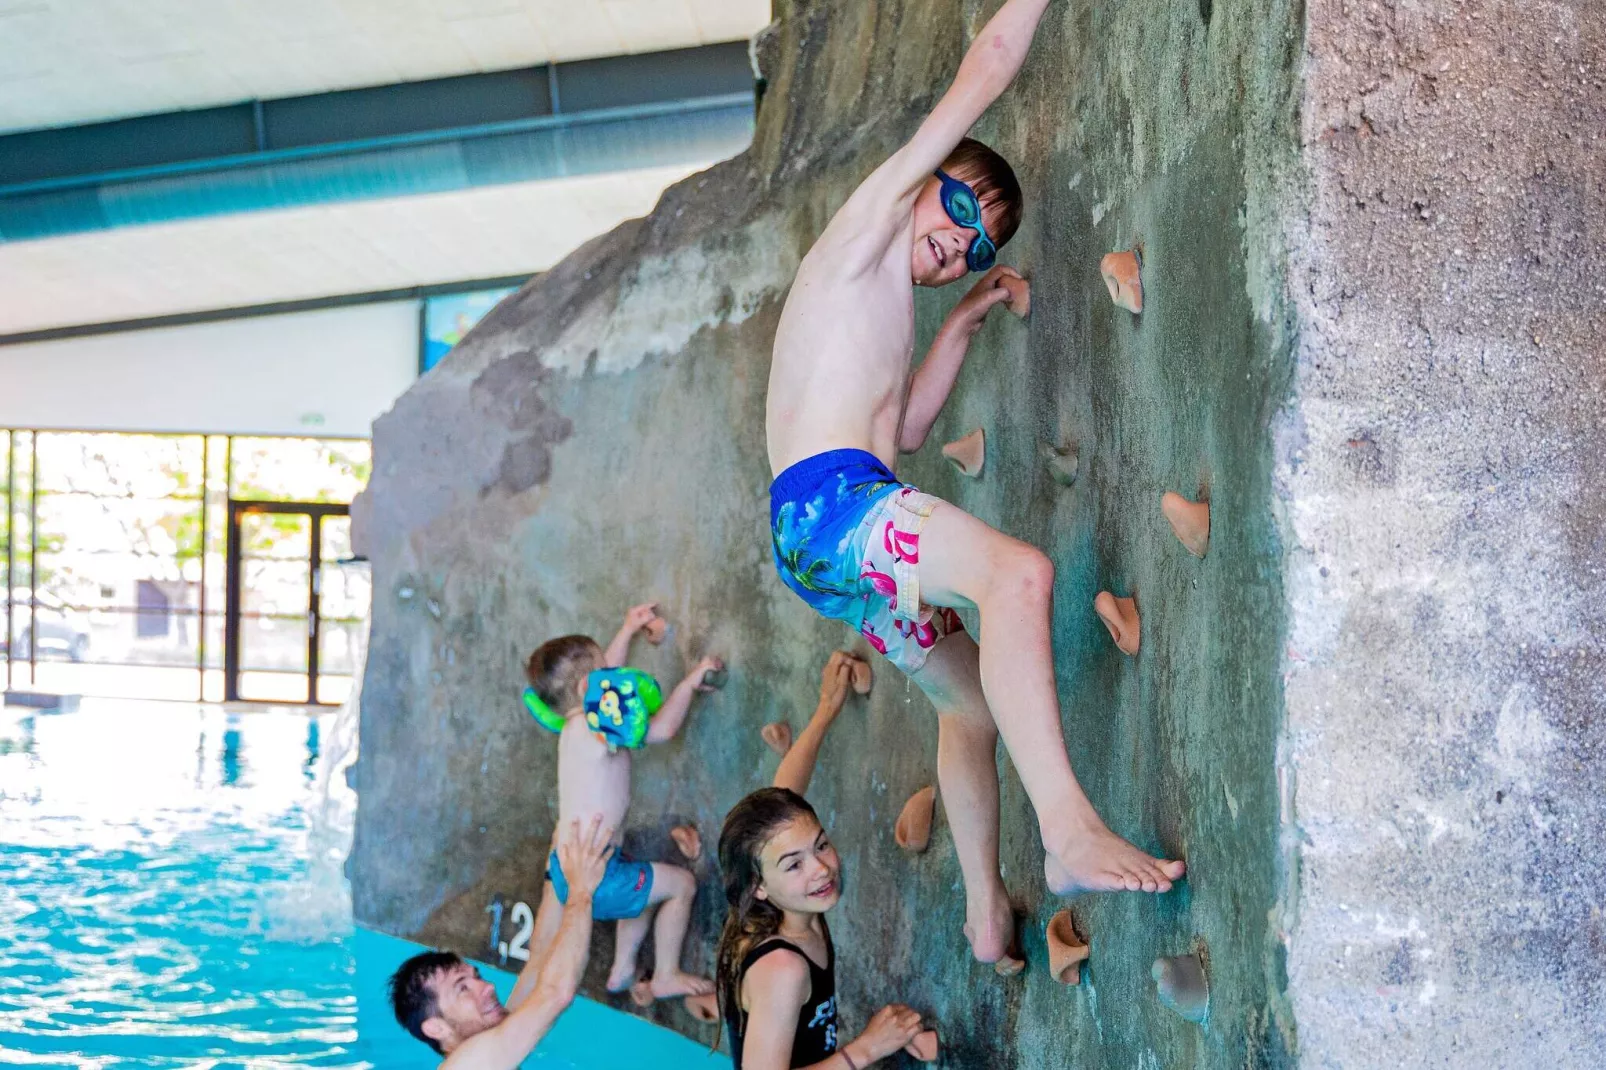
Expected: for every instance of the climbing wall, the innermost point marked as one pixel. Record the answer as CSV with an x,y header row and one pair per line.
x,y
598,441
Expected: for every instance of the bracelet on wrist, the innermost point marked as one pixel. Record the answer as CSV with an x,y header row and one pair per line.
x,y
843,1051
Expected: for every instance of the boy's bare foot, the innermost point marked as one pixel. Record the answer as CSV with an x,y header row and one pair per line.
x,y
913,831
689,840
1123,277
1190,521
1120,616
1066,951
778,736
1094,859
667,985
704,1008
969,454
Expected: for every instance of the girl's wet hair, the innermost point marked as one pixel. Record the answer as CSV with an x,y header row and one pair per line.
x,y
750,825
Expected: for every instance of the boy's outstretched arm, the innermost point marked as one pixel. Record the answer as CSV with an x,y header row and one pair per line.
x,y
636,618
990,65
584,857
934,380
672,714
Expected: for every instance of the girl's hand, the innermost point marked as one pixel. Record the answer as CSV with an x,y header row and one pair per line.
x,y
892,1027
982,298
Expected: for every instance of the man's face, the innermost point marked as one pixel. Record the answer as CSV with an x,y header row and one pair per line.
x,y
465,1005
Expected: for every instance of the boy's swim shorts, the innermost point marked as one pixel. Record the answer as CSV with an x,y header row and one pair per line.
x,y
626,886
846,536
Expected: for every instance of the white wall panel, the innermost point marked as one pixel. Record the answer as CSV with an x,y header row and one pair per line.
x,y
329,372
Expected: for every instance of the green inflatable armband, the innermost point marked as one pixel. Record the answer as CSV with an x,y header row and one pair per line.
x,y
618,705
544,715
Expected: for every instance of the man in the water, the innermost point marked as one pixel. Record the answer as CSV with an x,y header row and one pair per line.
x,y
443,1001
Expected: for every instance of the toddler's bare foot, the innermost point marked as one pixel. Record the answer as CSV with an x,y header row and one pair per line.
x,y
666,985
1094,859
622,977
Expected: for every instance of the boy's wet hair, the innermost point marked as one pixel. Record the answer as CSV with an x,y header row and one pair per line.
x,y
412,992
558,664
990,175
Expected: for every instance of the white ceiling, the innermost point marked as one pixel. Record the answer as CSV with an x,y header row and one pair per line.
x,y
65,62
259,258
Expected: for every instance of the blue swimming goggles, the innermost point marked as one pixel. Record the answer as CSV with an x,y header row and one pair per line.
x,y
964,208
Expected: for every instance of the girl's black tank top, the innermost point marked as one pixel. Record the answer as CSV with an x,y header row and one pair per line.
x,y
815,1038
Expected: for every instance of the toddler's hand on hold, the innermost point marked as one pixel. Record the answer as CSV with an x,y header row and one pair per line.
x,y
707,665
638,617
583,856
982,299
893,1027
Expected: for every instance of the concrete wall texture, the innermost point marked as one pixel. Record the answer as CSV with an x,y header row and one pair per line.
x,y
1372,238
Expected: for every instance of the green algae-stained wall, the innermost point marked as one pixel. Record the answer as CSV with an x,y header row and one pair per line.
x,y
598,441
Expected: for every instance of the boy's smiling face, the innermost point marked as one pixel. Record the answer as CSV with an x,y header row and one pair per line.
x,y
938,256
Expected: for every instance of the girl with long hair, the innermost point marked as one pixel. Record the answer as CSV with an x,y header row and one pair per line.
x,y
776,964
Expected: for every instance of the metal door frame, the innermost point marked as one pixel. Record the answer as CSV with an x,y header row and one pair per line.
x,y
238,508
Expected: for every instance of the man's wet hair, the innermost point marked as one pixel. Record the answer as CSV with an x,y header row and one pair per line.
x,y
558,664
412,992
990,175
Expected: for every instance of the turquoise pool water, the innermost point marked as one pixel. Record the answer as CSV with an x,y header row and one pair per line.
x,y
171,896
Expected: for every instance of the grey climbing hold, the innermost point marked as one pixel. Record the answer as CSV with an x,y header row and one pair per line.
x,y
1182,986
1062,462
715,678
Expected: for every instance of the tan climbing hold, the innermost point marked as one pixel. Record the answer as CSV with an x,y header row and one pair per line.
x,y
862,677
689,840
969,454
924,1047
1063,463
1020,295
1120,615
913,831
704,1008
641,994
778,736
1123,274
1190,520
1182,986
1066,952
656,629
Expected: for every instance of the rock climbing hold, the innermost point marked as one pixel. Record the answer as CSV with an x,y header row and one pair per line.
x,y
641,993
704,1008
913,831
778,736
1062,462
1190,520
1123,274
689,840
1120,615
924,1047
1181,983
1009,965
1020,295
656,629
715,678
1066,951
968,453
862,677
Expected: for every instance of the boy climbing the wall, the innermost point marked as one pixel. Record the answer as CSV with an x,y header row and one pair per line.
x,y
607,711
892,562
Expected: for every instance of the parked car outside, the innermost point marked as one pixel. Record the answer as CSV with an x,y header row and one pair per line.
x,y
62,630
